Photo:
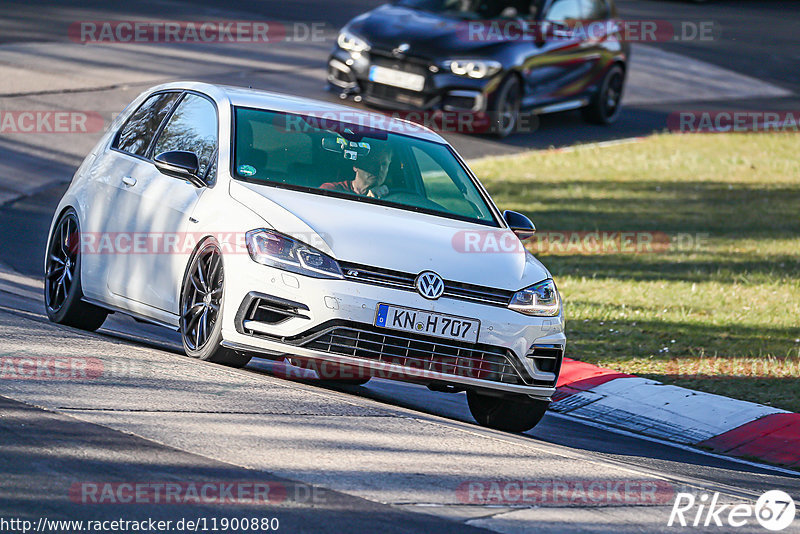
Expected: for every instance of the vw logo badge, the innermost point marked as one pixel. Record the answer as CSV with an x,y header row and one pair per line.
x,y
430,285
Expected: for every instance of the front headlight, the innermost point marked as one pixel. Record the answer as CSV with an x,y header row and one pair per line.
x,y
473,68
269,247
541,300
352,42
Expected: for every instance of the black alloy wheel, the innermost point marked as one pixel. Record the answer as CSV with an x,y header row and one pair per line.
x,y
504,115
201,301
606,106
201,309
62,281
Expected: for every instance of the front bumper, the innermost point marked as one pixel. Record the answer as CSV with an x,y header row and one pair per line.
x,y
443,90
333,321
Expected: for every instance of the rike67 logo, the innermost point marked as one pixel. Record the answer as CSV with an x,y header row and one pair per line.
x,y
774,510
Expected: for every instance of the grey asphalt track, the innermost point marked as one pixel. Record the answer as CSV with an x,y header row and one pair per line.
x,y
386,442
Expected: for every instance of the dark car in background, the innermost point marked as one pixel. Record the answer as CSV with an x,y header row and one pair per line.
x,y
495,57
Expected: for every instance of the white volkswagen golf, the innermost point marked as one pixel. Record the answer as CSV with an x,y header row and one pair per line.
x,y
260,224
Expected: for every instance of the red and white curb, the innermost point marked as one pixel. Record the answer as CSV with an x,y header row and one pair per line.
x,y
712,422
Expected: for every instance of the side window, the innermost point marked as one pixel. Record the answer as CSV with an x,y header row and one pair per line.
x,y
193,128
565,12
440,187
594,9
135,136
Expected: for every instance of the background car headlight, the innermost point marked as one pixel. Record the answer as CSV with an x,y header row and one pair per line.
x,y
269,247
473,68
352,42
541,300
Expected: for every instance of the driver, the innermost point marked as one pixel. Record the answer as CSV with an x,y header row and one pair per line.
x,y
370,175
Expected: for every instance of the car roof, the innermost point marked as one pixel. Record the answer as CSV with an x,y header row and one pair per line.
x,y
256,98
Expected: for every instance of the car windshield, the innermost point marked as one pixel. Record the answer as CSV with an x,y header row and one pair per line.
x,y
341,159
473,9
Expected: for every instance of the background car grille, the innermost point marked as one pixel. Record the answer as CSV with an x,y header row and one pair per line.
x,y
421,353
381,93
384,58
387,93
405,281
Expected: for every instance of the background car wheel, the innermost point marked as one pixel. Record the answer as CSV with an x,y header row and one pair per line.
x,y
511,414
201,309
504,114
62,279
607,103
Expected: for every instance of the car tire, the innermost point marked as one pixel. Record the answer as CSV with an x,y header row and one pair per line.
x,y
62,281
201,308
504,113
511,414
606,105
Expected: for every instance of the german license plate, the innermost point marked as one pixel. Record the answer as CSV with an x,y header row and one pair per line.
x,y
397,78
428,323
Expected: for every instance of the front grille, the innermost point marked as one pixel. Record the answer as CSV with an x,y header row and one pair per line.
x,y
423,353
405,281
460,102
385,58
387,94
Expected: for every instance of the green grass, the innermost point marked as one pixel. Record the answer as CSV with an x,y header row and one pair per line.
x,y
719,309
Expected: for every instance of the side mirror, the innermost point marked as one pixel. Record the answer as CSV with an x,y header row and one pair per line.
x,y
180,164
519,224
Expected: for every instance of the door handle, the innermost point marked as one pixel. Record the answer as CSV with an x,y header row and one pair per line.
x,y
129,181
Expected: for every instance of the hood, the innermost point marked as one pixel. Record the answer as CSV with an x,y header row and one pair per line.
x,y
429,35
391,238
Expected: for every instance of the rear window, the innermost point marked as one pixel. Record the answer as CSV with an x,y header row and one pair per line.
x,y
355,163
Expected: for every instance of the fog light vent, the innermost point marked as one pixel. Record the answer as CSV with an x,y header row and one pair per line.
x,y
546,358
267,309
